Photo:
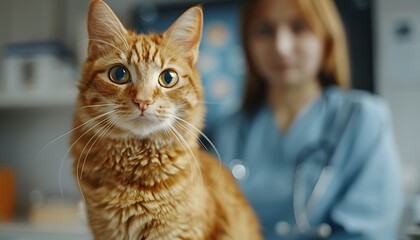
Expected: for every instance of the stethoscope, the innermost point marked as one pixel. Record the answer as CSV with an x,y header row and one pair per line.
x,y
302,211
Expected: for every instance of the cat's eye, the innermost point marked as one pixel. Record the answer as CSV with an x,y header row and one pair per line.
x,y
168,78
119,74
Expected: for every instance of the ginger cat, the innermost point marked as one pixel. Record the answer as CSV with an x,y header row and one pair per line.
x,y
137,160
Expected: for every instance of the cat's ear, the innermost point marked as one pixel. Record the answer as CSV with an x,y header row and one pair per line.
x,y
104,29
186,32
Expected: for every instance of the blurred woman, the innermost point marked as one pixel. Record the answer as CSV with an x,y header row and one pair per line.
x,y
315,160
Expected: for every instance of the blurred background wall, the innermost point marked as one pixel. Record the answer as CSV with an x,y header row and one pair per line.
x,y
397,48
397,37
30,116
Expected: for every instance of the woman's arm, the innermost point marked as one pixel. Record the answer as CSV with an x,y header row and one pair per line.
x,y
370,205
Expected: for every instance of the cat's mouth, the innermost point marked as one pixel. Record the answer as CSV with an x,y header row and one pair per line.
x,y
144,118
144,124
147,120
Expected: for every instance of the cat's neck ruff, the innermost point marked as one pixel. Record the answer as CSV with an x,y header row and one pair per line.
x,y
134,160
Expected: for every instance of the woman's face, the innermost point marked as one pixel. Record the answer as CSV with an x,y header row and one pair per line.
x,y
284,51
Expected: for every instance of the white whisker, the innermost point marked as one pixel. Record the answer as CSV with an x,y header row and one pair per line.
x,y
99,138
202,134
195,159
185,150
77,168
91,120
191,134
78,163
68,151
99,105
205,137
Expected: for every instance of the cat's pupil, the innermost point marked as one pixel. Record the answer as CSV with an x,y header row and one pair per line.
x,y
120,74
168,78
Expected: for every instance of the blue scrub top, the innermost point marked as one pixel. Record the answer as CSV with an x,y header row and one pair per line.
x,y
351,130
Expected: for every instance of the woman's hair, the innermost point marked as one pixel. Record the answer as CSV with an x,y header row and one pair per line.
x,y
323,18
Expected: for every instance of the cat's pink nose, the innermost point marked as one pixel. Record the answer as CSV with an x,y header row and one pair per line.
x,y
143,104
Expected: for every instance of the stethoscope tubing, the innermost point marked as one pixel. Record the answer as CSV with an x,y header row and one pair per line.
x,y
302,213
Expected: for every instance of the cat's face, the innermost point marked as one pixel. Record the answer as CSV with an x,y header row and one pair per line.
x,y
142,84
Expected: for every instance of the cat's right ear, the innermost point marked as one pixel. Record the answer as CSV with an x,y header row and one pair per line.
x,y
104,29
186,32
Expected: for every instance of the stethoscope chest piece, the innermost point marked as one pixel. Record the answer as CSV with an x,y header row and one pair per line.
x,y
282,228
239,169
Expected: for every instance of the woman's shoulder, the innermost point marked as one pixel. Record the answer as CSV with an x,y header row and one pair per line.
x,y
367,106
362,125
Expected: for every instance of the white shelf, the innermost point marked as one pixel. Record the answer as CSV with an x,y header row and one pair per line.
x,y
29,231
30,99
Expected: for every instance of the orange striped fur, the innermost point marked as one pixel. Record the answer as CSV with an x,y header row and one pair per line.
x,y
137,161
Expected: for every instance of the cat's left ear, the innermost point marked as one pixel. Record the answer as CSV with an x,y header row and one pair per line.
x,y
104,29
186,32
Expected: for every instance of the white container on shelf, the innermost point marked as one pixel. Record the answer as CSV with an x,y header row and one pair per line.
x,y
37,67
37,74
